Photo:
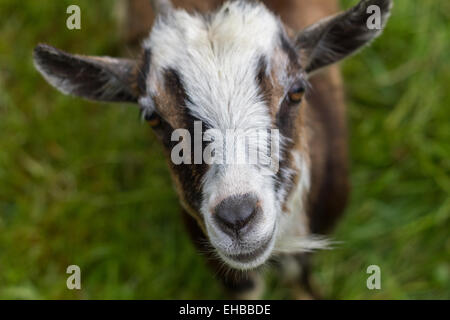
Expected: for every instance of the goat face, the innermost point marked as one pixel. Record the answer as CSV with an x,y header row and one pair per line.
x,y
231,72
236,70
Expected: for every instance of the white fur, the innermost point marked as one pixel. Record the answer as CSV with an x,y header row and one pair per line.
x,y
294,235
217,61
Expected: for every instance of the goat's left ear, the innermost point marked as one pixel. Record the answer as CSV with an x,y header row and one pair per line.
x,y
93,78
334,38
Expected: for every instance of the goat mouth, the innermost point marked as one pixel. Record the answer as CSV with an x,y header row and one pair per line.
x,y
252,255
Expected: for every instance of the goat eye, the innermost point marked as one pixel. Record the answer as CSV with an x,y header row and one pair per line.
x,y
296,93
152,119
148,110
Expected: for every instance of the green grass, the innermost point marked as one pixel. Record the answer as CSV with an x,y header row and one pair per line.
x,y
86,184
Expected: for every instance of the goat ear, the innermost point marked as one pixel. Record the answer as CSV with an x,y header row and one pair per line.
x,y
334,38
94,78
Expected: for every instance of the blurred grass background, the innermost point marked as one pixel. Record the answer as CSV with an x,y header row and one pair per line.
x,y
86,184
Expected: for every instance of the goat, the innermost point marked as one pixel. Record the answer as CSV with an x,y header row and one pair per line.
x,y
241,67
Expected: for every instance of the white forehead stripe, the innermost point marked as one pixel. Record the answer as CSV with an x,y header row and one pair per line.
x,y
217,58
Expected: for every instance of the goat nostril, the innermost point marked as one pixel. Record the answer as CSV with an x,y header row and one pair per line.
x,y
236,212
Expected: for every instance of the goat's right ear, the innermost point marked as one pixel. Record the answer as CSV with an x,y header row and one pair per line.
x,y
94,78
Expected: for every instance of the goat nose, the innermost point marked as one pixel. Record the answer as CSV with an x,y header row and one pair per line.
x,y
234,213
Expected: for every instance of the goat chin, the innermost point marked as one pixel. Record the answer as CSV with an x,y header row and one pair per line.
x,y
304,244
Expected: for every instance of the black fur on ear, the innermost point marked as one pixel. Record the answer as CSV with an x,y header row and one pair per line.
x,y
334,38
93,78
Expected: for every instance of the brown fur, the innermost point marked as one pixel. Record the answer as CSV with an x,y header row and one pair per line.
x,y
325,120
326,123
